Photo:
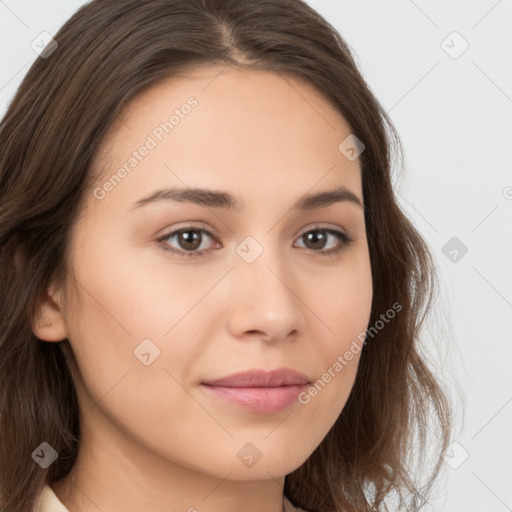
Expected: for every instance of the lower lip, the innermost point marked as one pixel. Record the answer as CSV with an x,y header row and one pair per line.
x,y
261,400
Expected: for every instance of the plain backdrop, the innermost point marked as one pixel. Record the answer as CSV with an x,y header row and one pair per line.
x,y
442,70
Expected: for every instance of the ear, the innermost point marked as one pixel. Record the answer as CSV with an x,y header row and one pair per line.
x,y
49,324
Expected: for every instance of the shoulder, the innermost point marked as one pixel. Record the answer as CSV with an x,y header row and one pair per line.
x,y
48,502
288,507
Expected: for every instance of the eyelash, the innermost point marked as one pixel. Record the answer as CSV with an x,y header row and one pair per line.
x,y
345,240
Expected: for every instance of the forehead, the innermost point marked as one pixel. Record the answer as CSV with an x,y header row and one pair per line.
x,y
218,127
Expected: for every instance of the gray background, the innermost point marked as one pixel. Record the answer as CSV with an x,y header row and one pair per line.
x,y
453,111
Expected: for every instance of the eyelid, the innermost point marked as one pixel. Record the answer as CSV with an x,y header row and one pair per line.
x,y
319,226
192,226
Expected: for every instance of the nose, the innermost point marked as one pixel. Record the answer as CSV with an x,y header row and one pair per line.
x,y
265,299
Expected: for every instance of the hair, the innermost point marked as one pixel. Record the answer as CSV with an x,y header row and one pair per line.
x,y
109,52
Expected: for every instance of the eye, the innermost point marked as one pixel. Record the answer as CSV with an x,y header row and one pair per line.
x,y
317,238
191,241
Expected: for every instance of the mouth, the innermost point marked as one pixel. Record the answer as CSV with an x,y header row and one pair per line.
x,y
259,391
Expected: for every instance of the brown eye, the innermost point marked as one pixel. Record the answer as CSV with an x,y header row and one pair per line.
x,y
193,241
190,241
317,239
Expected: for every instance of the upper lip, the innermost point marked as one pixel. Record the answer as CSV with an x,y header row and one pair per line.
x,y
261,378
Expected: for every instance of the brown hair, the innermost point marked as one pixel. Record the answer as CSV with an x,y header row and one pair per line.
x,y
109,52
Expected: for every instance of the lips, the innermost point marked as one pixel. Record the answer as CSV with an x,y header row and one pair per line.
x,y
260,379
258,390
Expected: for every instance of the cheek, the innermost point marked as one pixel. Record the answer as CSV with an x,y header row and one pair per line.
x,y
343,304
142,400
131,313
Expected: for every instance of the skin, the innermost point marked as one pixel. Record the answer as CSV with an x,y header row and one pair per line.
x,y
152,438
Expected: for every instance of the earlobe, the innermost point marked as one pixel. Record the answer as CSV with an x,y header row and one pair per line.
x,y
49,324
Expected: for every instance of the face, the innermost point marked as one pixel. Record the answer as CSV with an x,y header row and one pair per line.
x,y
178,291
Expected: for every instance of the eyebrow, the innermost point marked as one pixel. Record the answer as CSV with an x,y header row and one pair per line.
x,y
220,199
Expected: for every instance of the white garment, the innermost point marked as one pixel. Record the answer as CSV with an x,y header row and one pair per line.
x,y
48,502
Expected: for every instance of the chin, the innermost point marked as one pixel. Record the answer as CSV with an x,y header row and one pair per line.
x,y
265,458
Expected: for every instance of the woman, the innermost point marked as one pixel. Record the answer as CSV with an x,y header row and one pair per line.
x,y
212,300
